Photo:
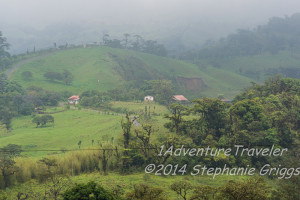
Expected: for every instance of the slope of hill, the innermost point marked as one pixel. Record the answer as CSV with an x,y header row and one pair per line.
x,y
115,67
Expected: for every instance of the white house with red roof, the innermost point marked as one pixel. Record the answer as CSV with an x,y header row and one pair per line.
x,y
73,100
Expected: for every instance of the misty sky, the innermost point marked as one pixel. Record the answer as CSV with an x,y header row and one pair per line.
x,y
19,20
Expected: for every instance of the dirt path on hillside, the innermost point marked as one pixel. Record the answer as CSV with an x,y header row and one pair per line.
x,y
23,62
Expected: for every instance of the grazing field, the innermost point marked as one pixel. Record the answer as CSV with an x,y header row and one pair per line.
x,y
69,128
139,107
115,67
74,125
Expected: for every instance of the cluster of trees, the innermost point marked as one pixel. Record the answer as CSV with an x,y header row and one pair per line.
x,y
277,35
7,164
66,77
137,43
14,100
263,115
4,55
251,189
10,103
43,120
95,99
162,90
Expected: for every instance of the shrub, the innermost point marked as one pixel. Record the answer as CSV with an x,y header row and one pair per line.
x,y
87,191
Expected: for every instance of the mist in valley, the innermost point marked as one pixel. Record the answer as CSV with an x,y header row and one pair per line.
x,y
177,24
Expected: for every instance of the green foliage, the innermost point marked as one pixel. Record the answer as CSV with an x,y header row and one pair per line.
x,y
43,120
11,100
204,193
263,115
3,195
182,189
53,76
7,86
252,189
245,112
213,113
146,46
89,191
4,55
7,164
126,128
67,77
178,111
272,37
162,90
95,99
145,192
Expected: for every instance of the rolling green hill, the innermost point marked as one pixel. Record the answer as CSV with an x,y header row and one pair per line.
x,y
115,67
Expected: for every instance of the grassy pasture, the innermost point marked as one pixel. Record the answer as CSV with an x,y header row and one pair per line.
x,y
69,128
103,63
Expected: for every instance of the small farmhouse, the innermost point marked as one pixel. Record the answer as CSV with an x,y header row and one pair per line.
x,y
180,98
148,98
73,100
226,100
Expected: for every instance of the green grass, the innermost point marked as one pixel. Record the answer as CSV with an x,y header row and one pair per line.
x,y
103,63
87,66
69,128
139,107
72,126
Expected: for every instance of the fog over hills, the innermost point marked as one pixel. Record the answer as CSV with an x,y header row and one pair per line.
x,y
176,23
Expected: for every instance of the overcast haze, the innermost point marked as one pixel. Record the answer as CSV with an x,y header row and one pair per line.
x,y
190,22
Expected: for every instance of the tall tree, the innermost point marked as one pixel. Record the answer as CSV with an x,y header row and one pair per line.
x,y
3,46
126,36
213,113
7,162
126,127
177,111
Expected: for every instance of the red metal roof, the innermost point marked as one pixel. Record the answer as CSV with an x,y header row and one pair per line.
x,y
179,98
74,97
225,100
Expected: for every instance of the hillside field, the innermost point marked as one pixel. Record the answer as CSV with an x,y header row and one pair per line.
x,y
115,67
73,126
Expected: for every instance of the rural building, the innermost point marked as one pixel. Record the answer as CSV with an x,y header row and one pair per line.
x,y
73,100
226,100
180,98
148,98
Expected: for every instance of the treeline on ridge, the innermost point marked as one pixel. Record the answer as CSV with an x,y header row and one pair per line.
x,y
277,35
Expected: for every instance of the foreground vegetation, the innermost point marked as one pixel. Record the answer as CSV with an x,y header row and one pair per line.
x,y
261,116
